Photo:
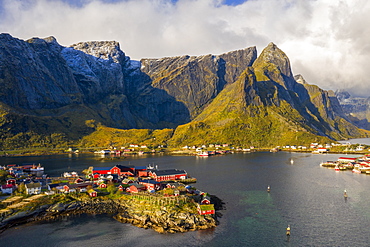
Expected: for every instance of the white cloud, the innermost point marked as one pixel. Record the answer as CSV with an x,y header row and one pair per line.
x,y
326,41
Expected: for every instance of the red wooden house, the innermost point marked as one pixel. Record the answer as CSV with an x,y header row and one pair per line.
x,y
144,173
11,181
102,185
119,170
347,159
166,175
93,193
206,209
101,170
205,200
135,188
151,184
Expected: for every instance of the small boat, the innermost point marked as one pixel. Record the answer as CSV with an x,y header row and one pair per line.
x,y
70,174
103,152
356,171
288,230
37,168
203,154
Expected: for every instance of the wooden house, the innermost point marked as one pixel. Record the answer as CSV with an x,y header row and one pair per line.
x,y
11,181
92,193
205,200
135,188
175,185
347,159
101,170
206,209
57,186
80,187
8,188
102,185
151,184
33,188
167,175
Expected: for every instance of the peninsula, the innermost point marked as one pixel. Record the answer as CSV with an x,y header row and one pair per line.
x,y
143,196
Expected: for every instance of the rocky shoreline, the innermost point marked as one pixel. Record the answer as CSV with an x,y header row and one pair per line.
x,y
162,220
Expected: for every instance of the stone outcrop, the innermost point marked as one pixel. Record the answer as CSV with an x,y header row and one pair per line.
x,y
162,221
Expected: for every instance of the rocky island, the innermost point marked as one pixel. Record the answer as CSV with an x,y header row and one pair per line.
x,y
166,206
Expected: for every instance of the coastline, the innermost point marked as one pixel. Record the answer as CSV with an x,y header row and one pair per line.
x,y
165,218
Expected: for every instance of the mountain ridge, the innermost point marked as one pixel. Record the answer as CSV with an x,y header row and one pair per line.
x,y
48,89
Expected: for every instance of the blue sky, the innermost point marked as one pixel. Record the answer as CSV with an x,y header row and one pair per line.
x,y
327,41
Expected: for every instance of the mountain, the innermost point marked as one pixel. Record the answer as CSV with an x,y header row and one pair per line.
x,y
356,108
267,106
51,93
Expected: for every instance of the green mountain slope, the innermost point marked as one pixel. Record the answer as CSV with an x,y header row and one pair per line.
x,y
267,107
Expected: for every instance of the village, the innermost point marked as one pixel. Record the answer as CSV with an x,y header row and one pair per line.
x,y
206,150
170,186
360,164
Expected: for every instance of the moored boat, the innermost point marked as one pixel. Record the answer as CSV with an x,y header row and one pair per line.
x,y
356,171
35,168
203,154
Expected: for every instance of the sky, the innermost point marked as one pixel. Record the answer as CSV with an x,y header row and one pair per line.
x,y
327,41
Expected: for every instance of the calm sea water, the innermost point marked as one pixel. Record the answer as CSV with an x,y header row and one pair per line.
x,y
304,195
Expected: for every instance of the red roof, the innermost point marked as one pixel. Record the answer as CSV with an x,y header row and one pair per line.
x,y
7,186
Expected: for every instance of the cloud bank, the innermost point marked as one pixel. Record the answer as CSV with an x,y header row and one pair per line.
x,y
327,41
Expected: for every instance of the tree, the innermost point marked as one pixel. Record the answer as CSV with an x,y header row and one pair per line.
x,y
22,188
111,188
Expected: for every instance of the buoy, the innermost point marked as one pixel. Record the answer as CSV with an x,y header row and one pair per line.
x,y
288,230
268,188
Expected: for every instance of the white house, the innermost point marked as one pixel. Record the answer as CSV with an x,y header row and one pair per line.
x,y
33,188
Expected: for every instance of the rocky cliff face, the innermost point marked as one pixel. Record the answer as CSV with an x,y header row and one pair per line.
x,y
356,109
34,74
196,81
50,88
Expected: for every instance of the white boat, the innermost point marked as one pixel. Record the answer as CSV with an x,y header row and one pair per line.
x,y
70,174
203,154
38,168
103,152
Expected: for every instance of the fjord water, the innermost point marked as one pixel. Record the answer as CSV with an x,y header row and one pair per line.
x,y
304,195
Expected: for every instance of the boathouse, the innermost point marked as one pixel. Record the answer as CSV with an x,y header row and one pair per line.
x,y
347,159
